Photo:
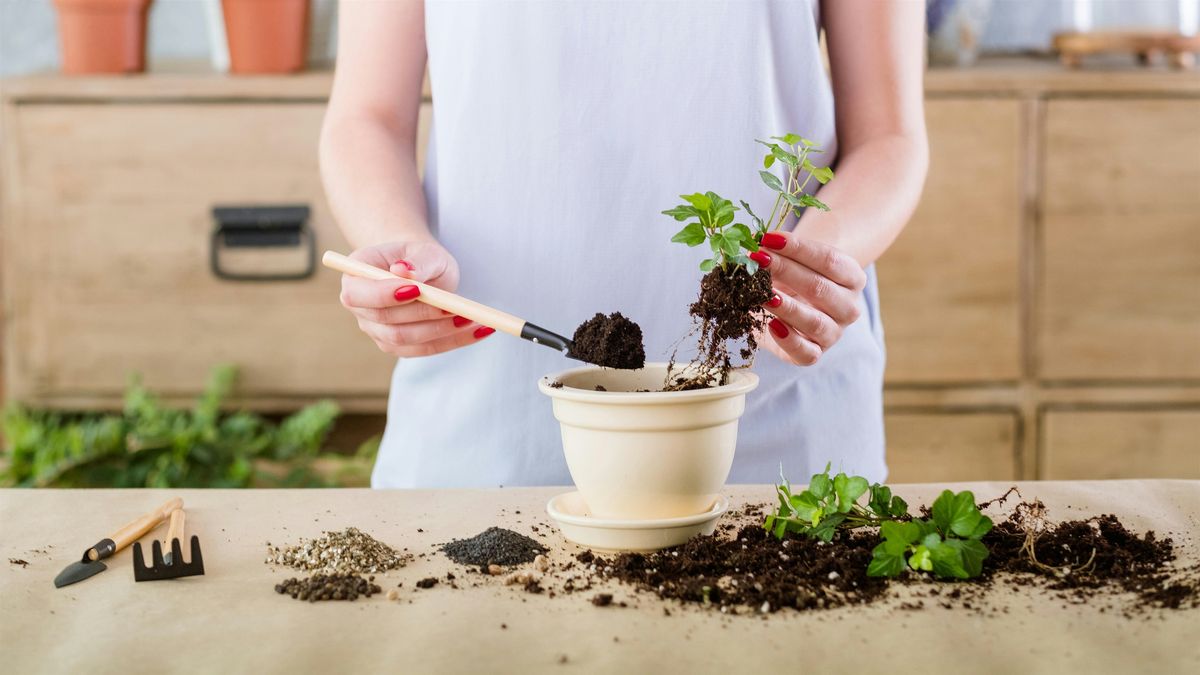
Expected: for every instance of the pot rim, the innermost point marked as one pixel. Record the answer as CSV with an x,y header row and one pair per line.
x,y
741,381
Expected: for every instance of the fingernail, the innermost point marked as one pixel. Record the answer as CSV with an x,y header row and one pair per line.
x,y
774,240
407,265
406,293
775,301
778,328
483,331
763,259
460,321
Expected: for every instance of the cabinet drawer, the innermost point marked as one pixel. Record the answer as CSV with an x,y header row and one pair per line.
x,y
1121,228
108,256
950,283
931,447
1100,444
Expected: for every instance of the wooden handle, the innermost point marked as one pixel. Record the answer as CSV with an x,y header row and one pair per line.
x,y
175,530
133,531
434,297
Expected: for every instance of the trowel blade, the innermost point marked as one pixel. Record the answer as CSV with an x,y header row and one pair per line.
x,y
78,571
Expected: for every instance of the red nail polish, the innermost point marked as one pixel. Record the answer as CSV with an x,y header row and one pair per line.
x,y
483,331
407,265
778,328
775,301
763,259
774,240
406,293
460,321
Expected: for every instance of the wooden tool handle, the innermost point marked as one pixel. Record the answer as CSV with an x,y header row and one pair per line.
x,y
430,295
134,530
175,530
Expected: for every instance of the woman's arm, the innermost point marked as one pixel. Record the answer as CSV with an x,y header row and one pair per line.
x,y
876,55
368,165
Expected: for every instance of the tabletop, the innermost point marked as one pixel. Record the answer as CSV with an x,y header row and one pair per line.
x,y
231,619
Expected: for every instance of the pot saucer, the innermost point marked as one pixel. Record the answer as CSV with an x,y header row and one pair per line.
x,y
611,534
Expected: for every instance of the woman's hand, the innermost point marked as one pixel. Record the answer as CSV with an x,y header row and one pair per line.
x,y
387,311
817,289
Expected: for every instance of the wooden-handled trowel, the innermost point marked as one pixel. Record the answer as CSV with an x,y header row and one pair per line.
x,y
90,564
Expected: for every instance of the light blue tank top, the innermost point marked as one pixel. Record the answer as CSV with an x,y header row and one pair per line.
x,y
561,130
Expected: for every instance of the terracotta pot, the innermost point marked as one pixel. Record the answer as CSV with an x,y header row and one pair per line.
x,y
266,36
645,455
102,36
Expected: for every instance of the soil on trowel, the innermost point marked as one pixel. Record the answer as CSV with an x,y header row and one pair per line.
x,y
611,341
728,310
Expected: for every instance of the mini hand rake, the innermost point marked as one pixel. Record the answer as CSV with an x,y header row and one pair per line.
x,y
172,566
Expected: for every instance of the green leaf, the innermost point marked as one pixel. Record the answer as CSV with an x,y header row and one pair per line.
x,y
743,232
730,246
715,242
947,562
921,559
700,201
823,174
957,513
899,507
848,489
828,525
707,265
682,213
785,156
884,563
757,220
772,181
768,161
820,485
692,235
790,139
971,553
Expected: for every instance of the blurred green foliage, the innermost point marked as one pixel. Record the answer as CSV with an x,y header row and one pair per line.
x,y
150,445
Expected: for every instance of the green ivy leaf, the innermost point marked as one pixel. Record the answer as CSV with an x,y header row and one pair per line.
x,y
771,180
848,489
790,139
946,561
768,161
682,213
921,559
823,174
971,553
957,513
828,525
884,563
700,201
707,265
730,246
820,485
785,156
692,235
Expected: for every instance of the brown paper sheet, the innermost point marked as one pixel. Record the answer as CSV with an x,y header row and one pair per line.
x,y
231,620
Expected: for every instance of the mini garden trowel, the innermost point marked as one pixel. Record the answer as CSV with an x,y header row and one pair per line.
x,y
599,354
90,564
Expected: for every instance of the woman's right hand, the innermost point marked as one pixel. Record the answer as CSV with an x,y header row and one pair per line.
x,y
387,311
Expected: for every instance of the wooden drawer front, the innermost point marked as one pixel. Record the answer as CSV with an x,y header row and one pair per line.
x,y
949,285
111,269
1121,294
1101,444
932,447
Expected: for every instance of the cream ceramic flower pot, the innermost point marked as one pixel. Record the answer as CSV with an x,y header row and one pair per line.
x,y
643,455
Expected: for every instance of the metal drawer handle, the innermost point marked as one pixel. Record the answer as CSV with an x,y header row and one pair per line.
x,y
262,227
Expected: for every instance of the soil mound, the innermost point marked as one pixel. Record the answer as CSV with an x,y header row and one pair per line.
x,y
611,341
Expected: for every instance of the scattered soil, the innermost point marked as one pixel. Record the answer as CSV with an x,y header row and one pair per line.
x,y
494,546
18,561
556,385
611,341
1097,561
328,587
427,582
350,551
602,599
728,310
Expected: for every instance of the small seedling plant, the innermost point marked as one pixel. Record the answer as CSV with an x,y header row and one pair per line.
x,y
948,544
711,218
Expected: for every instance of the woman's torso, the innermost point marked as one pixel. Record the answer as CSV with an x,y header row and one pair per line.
x,y
561,130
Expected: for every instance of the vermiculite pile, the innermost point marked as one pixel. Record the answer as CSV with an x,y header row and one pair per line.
x,y
493,546
350,551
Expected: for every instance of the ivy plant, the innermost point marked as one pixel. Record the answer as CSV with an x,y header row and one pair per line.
x,y
832,503
712,219
947,544
792,151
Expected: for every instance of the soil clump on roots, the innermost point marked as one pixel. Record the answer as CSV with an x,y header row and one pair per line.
x,y
611,341
728,310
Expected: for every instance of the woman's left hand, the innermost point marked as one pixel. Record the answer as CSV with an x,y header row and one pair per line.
x,y
817,289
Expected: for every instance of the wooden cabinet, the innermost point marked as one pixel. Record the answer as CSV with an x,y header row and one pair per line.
x,y
949,286
1120,298
107,254
1115,443
930,447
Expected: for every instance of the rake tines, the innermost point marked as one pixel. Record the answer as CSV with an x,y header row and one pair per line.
x,y
161,569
